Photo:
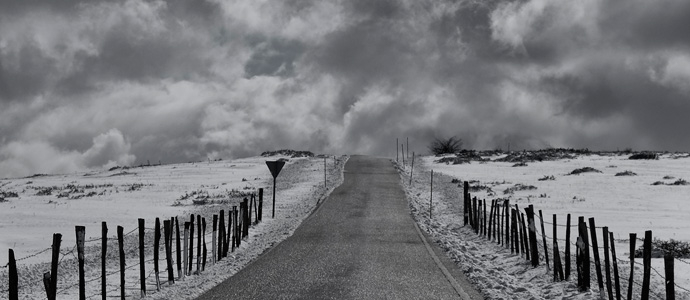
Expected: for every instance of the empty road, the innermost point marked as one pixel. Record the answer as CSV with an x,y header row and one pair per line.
x,y
361,243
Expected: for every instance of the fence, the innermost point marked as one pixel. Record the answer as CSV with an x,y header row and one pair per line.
x,y
224,239
507,225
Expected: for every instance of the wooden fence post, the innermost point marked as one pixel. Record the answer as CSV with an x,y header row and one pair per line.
x,y
633,241
607,262
411,172
647,263
213,239
466,201
221,234
597,261
190,261
431,194
236,233
670,285
525,240
156,252
167,233
583,255
532,235
13,277
506,210
491,218
121,250
484,218
557,267
178,252
185,248
104,252
203,243
57,239
543,236
245,219
261,204
514,247
198,244
476,215
142,266
251,202
80,232
567,248
616,279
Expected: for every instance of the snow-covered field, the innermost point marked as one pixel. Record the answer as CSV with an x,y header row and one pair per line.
x,y
50,204
626,204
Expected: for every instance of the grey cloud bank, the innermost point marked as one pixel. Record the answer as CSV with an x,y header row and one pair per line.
x,y
87,84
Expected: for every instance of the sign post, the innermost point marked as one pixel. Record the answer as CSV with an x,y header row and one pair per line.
x,y
275,167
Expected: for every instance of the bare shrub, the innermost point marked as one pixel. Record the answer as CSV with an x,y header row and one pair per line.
x,y
445,145
626,173
584,170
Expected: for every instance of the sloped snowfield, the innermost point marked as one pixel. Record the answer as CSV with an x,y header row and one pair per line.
x,y
626,204
49,204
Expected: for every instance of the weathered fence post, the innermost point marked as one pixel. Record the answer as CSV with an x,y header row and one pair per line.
x,y
238,225
411,172
466,201
198,244
557,267
484,220
156,252
523,229
543,236
57,239
431,194
567,248
491,218
668,272
80,232
647,263
178,252
245,219
532,235
251,202
121,250
513,233
142,266
261,204
615,267
583,256
633,241
190,261
203,243
476,215
597,261
213,239
506,210
13,277
221,235
167,233
185,248
607,262
104,252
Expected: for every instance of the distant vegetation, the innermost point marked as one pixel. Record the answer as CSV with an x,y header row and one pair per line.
x,y
644,155
626,173
288,152
584,170
449,145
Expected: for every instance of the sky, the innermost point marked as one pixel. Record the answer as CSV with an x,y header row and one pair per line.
x,y
94,84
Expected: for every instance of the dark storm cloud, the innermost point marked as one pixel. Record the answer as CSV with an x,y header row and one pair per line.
x,y
100,83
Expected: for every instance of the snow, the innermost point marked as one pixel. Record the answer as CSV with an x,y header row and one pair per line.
x,y
624,204
122,196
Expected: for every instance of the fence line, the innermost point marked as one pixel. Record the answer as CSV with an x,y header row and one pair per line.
x,y
234,231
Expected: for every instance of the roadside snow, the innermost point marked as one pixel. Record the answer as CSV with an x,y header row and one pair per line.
x,y
120,196
623,203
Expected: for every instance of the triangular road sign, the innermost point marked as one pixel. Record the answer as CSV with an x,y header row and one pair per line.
x,y
275,167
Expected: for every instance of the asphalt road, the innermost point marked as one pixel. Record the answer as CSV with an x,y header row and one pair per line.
x,y
361,243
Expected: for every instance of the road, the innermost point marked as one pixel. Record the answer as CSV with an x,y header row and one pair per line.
x,y
360,243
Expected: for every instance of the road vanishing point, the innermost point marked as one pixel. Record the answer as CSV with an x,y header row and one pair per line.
x,y
360,243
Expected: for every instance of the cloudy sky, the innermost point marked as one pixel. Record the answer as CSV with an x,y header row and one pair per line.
x,y
90,84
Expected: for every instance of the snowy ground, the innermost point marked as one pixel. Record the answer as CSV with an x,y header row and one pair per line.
x,y
121,196
623,203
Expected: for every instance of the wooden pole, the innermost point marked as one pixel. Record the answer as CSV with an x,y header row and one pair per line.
x,y
670,285
514,248
274,198
185,248
156,252
506,207
167,233
238,225
190,261
402,151
607,262
121,250
557,267
221,234
245,219
214,251
261,203
491,218
567,248
616,278
597,261
325,166
647,263
431,194
412,169
13,277
52,292
397,150
104,252
633,241
408,148
523,234
142,266
203,243
198,244
80,232
543,237
466,201
178,252
583,255
533,235
484,218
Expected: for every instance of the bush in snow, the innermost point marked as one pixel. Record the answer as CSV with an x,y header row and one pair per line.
x,y
445,145
626,173
584,170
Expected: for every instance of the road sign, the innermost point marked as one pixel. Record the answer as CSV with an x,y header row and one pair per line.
x,y
275,167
